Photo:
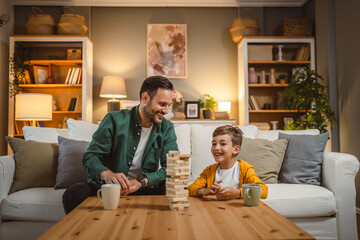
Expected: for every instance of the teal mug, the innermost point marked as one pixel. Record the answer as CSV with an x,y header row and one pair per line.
x,y
251,194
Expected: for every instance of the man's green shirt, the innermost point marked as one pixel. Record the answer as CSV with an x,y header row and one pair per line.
x,y
114,144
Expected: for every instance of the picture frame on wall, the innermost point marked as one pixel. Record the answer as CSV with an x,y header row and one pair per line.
x,y
166,50
192,109
40,74
286,120
128,104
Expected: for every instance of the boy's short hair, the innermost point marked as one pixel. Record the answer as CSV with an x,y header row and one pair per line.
x,y
234,132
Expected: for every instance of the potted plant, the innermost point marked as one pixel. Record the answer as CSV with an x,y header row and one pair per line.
x,y
19,67
305,94
208,104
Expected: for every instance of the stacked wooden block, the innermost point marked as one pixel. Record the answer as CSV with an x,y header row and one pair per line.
x,y
178,170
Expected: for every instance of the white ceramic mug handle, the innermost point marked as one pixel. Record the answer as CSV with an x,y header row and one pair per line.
x,y
247,193
99,194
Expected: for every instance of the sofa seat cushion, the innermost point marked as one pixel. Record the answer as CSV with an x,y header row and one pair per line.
x,y
301,200
34,204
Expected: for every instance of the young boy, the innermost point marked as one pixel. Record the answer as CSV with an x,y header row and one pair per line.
x,y
225,178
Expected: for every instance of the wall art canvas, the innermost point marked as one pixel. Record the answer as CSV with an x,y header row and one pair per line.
x,y
167,50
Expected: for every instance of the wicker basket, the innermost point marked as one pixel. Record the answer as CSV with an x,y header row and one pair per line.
x,y
40,23
71,23
244,27
296,27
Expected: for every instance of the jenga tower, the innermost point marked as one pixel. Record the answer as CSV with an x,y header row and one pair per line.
x,y
178,170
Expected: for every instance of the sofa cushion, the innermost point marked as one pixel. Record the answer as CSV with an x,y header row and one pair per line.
x,y
81,130
35,204
70,170
272,135
201,137
265,156
301,200
303,158
183,140
44,134
249,131
35,163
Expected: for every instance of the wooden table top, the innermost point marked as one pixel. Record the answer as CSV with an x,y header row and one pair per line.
x,y
150,217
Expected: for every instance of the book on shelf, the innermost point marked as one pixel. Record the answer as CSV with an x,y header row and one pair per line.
x,y
303,54
251,105
255,102
78,104
72,104
68,76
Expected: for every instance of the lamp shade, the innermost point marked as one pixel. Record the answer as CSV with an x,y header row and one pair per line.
x,y
33,106
224,107
113,87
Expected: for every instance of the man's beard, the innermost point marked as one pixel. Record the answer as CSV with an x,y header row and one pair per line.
x,y
150,115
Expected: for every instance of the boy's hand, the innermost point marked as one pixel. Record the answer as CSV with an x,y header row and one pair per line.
x,y
227,193
204,192
216,186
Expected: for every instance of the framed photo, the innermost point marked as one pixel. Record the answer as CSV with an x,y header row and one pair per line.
x,y
166,50
128,104
192,109
40,74
286,120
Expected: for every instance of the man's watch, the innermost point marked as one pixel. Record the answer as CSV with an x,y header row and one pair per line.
x,y
141,178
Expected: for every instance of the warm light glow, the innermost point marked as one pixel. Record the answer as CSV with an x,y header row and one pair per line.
x,y
113,87
33,106
224,107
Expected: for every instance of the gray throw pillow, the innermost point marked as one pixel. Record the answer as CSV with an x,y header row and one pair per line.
x,y
70,170
303,158
265,156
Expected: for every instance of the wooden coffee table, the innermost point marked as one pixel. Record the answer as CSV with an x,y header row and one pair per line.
x,y
149,217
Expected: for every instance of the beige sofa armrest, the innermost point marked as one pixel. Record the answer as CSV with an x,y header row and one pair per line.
x,y
7,170
338,175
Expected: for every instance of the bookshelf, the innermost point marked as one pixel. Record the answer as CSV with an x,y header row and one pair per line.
x,y
44,49
262,54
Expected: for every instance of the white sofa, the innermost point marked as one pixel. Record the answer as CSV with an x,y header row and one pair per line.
x,y
327,211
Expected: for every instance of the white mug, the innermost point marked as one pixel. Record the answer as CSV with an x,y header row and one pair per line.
x,y
109,194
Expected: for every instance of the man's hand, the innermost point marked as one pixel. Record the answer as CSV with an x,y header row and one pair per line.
x,y
116,178
227,193
135,185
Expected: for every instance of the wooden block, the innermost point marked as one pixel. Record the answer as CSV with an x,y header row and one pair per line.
x,y
174,152
179,199
185,156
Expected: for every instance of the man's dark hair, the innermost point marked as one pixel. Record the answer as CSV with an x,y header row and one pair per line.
x,y
234,132
152,84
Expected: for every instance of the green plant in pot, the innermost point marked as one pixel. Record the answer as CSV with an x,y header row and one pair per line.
x,y
208,104
305,94
19,65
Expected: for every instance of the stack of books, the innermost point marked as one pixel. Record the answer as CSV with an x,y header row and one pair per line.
x,y
303,54
74,76
75,104
253,103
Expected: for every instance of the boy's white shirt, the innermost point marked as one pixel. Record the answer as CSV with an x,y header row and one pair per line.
x,y
230,177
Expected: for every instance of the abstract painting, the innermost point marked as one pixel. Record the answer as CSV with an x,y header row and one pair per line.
x,y
167,50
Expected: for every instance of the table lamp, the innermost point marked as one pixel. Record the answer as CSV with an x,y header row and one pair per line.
x,y
113,87
224,107
33,107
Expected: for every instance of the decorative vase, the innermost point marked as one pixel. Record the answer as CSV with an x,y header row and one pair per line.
x,y
207,113
272,76
253,78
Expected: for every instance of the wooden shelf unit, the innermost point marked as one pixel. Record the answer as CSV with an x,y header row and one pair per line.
x,y
42,47
269,93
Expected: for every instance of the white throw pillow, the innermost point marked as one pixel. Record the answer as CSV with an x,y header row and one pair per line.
x,y
272,135
183,140
249,131
201,138
44,134
80,130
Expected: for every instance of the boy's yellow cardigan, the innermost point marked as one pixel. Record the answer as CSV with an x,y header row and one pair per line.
x,y
247,175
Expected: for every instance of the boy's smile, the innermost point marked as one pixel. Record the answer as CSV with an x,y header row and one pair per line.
x,y
223,151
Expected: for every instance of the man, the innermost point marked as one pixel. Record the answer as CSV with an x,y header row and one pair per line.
x,y
128,146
